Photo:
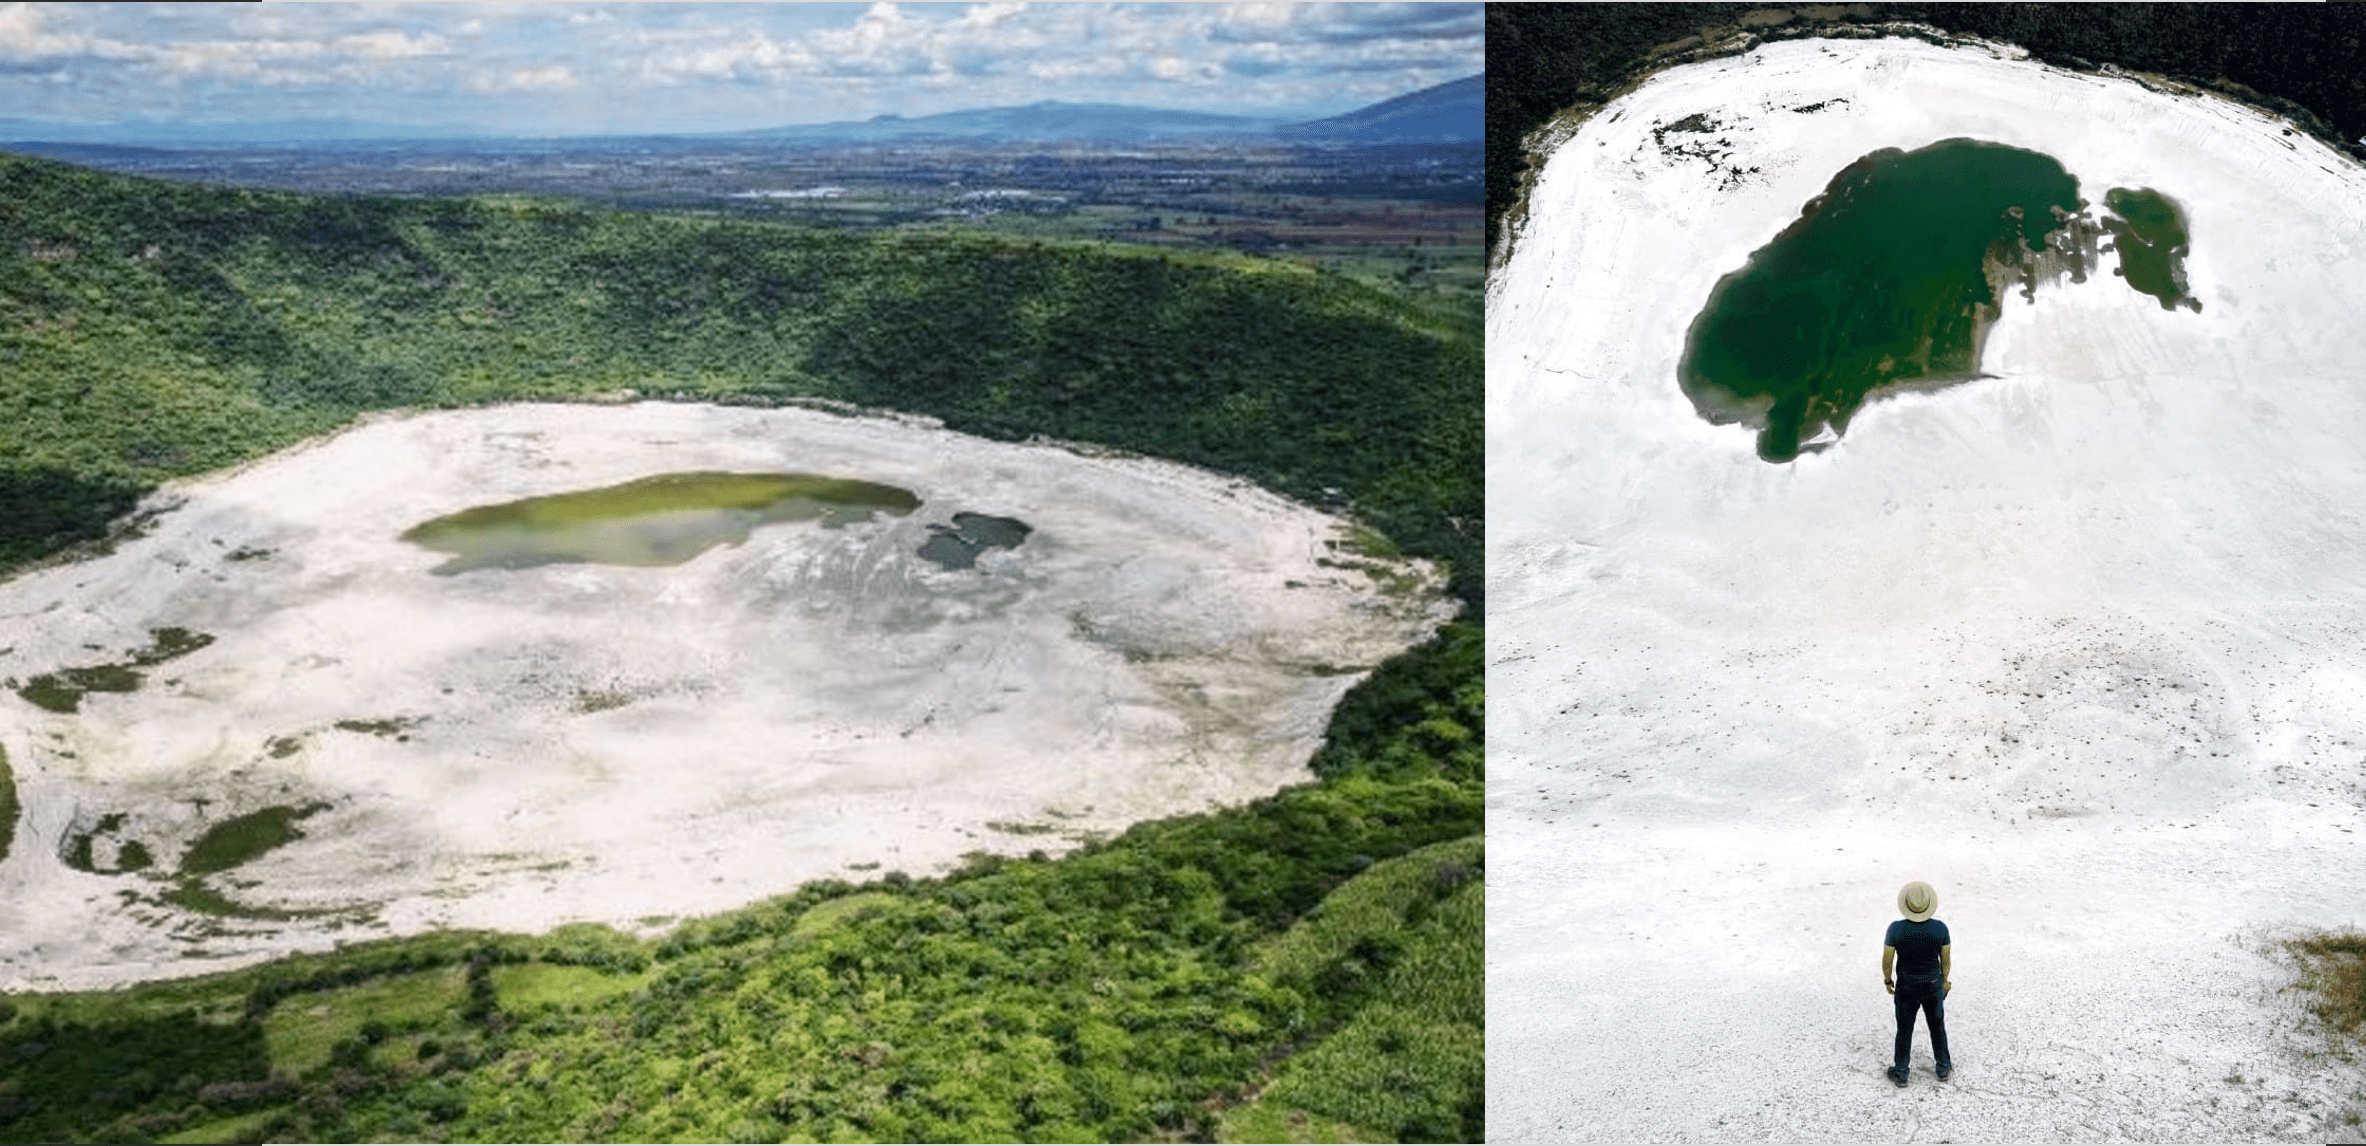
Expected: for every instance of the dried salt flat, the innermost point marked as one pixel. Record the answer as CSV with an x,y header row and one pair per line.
x,y
2079,642
521,748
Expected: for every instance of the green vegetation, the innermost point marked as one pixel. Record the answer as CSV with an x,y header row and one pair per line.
x,y
1400,935
62,691
224,846
1141,987
392,727
150,330
532,986
2333,973
241,838
306,1033
831,913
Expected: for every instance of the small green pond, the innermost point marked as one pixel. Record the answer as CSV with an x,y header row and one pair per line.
x,y
662,520
1889,280
2149,235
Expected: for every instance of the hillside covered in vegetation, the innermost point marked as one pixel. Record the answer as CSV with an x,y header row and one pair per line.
x,y
1306,966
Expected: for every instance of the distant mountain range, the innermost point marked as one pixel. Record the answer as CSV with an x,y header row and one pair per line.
x,y
1453,112
1448,113
1045,121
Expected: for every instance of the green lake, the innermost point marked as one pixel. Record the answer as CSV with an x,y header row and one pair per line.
x,y
1889,281
662,520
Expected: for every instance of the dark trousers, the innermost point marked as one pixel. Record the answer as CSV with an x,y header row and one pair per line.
x,y
1930,1000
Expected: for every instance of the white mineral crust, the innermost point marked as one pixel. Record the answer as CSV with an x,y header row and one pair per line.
x,y
2082,643
591,742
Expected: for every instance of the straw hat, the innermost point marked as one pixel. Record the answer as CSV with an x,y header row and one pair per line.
x,y
1917,900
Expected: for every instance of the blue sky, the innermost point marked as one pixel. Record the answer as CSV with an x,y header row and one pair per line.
x,y
568,68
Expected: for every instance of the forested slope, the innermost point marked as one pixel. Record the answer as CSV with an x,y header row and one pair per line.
x,y
1307,965
149,329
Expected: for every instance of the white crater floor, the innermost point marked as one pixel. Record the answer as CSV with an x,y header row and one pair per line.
x,y
2082,643
517,749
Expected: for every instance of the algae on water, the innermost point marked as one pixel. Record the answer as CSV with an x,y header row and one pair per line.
x,y
666,519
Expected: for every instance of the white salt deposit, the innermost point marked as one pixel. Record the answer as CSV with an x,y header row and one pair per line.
x,y
2079,643
519,749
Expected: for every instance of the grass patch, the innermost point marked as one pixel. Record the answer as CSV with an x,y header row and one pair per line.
x,y
62,691
393,726
191,894
2333,972
239,839
236,1128
529,986
1016,828
588,701
170,643
302,1031
832,913
1366,541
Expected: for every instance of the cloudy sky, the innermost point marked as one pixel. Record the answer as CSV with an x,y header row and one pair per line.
x,y
564,68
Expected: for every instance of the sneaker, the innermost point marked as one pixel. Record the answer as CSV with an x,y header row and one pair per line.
x,y
1897,1075
1945,1069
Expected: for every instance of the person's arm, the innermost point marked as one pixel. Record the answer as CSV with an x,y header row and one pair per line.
x,y
1946,965
1889,960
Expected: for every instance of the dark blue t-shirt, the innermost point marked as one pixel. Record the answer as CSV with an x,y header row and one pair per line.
x,y
1918,948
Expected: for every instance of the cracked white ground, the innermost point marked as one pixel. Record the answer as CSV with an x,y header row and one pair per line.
x,y
515,749
2082,643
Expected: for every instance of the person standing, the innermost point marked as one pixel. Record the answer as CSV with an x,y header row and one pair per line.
x,y
1917,947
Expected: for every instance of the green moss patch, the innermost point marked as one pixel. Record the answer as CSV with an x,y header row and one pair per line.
x,y
63,690
393,727
240,839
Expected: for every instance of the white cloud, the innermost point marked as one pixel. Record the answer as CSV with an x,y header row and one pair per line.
x,y
387,44
547,78
24,37
687,63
